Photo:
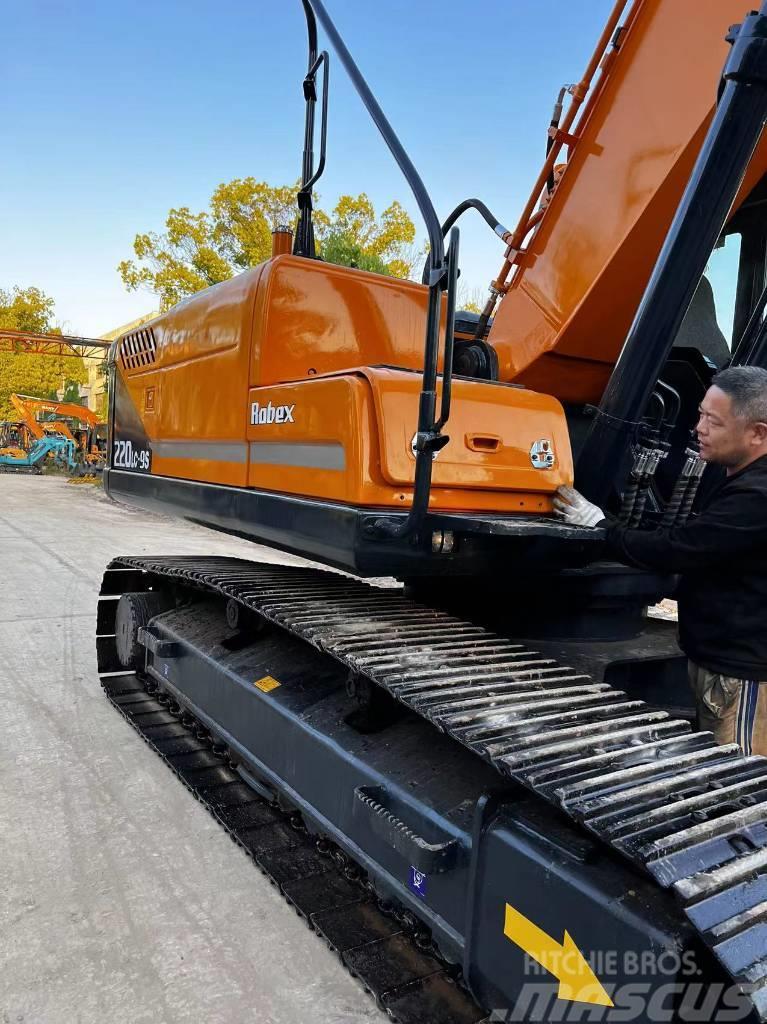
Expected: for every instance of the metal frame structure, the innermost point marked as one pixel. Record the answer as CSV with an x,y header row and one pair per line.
x,y
28,343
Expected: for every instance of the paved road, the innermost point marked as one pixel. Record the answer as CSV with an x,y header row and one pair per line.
x,y
121,901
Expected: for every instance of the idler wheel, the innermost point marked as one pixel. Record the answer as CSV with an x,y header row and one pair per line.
x,y
133,612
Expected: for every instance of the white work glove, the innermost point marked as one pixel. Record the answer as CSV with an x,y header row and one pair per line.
x,y
573,508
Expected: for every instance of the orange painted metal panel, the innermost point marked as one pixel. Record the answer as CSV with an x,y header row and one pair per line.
x,y
215,320
313,318
347,438
288,318
203,470
578,288
332,426
199,380
509,418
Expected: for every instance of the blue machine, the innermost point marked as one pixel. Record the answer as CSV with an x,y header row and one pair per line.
x,y
61,450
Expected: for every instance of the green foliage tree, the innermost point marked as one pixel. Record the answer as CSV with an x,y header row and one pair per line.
x,y
201,249
71,391
26,309
41,376
340,247
30,309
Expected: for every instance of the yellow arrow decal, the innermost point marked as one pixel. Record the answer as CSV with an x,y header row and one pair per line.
x,y
577,981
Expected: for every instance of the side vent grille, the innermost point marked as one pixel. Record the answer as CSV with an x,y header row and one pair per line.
x,y
138,349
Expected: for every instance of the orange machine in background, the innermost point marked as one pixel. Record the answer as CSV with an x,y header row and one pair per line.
x,y
77,423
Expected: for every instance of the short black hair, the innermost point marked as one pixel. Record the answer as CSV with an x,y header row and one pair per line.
x,y
747,388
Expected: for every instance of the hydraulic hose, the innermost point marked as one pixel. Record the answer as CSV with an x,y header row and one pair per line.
x,y
489,218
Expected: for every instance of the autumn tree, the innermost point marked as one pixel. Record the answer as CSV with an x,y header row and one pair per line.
x,y
201,249
30,309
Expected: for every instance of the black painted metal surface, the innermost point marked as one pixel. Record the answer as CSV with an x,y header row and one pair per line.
x,y
412,985
339,535
690,813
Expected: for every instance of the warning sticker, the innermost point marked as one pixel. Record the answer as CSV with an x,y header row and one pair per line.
x,y
267,683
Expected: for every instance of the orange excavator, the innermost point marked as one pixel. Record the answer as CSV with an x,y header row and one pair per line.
x,y
77,423
480,785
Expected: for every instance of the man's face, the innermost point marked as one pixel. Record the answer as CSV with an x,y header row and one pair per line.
x,y
723,437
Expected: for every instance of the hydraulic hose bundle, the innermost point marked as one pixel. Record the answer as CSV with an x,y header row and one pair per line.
x,y
653,447
685,489
648,454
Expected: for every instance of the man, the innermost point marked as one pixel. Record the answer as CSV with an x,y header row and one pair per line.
x,y
721,554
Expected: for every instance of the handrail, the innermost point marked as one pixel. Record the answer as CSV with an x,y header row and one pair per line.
x,y
447,365
428,438
309,85
304,241
405,164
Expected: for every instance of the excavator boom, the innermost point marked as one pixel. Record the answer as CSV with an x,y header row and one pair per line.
x,y
28,404
575,279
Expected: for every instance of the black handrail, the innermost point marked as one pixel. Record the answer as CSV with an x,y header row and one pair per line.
x,y
309,84
447,364
304,240
428,439
405,164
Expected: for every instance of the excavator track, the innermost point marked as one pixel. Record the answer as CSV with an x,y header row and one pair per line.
x,y
689,813
380,946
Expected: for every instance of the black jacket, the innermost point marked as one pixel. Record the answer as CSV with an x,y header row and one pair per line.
x,y
722,556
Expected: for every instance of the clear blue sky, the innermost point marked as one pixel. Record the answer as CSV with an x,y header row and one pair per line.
x,y
112,114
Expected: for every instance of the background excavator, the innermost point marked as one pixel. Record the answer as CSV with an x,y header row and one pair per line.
x,y
51,448
489,770
77,423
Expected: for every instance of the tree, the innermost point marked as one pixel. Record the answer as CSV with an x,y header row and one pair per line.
x,y
40,376
30,309
26,309
340,247
201,249
472,300
72,391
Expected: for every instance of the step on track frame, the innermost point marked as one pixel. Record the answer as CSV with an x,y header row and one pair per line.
x,y
690,813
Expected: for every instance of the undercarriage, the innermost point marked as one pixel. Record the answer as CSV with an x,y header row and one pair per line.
x,y
457,807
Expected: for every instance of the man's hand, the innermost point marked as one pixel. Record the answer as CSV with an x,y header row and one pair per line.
x,y
573,508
